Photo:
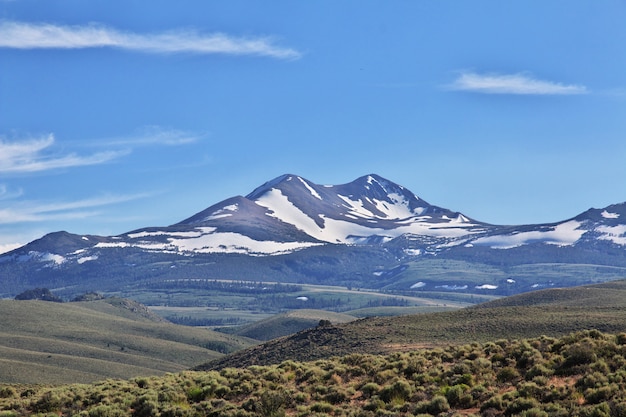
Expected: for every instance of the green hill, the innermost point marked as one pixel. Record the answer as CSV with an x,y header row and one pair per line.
x,y
580,375
44,342
553,312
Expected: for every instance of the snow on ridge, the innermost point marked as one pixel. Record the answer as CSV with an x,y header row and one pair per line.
x,y
139,235
87,259
229,242
356,207
615,234
284,210
206,240
608,215
51,257
564,234
223,212
343,231
399,209
311,190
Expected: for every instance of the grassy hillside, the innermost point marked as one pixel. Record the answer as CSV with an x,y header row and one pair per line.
x,y
46,342
579,375
552,312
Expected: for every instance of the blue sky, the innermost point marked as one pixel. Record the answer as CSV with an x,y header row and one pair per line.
x,y
115,115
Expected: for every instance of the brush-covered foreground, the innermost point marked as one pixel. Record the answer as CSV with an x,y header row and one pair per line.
x,y
581,374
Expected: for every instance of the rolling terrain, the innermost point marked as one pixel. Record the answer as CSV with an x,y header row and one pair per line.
x,y
548,352
551,312
45,342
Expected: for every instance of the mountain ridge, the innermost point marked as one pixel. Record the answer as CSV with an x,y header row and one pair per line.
x,y
291,229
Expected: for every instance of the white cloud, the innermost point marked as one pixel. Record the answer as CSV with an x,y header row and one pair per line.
x,y
519,83
22,35
6,193
158,135
30,156
7,247
32,211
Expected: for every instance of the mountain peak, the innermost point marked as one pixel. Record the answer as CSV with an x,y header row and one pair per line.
x,y
269,185
378,186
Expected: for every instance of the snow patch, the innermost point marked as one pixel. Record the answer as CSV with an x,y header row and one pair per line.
x,y
226,211
86,259
51,257
418,285
615,234
311,190
564,234
113,245
452,287
229,242
486,287
139,235
608,215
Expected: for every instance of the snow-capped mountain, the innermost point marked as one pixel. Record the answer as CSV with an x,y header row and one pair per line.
x,y
283,228
370,209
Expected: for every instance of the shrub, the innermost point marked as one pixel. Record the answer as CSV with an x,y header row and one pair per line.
x,y
439,404
576,356
321,407
271,404
507,374
496,403
597,395
398,392
458,396
48,402
521,404
145,406
7,392
195,394
534,412
106,411
370,389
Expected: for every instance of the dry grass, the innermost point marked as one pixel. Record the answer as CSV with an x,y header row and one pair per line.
x,y
47,342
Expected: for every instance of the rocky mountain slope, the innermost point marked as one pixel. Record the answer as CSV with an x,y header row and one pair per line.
x,y
368,233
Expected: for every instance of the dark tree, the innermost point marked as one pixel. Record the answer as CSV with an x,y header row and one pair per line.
x,y
42,294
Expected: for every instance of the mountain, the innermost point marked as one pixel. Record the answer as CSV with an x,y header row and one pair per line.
x,y
369,233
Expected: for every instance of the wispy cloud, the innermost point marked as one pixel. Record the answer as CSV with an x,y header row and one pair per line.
x,y
33,211
33,155
6,194
519,83
23,35
157,135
